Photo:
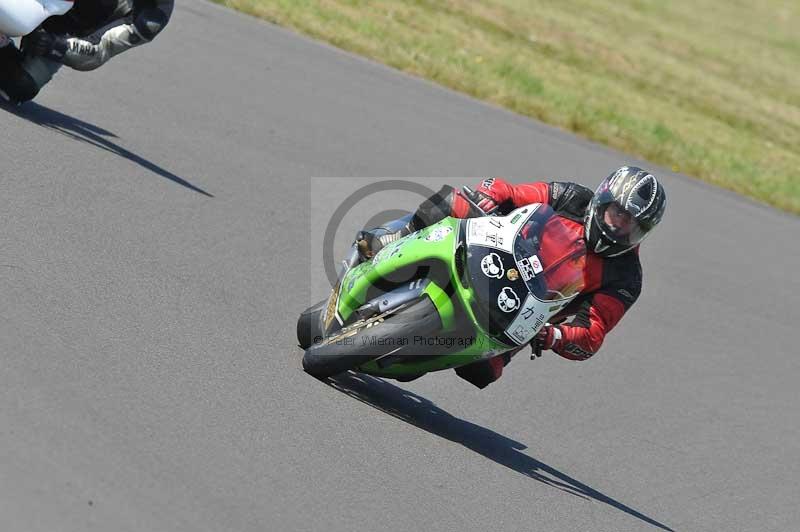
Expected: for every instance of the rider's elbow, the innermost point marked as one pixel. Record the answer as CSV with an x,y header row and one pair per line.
x,y
575,352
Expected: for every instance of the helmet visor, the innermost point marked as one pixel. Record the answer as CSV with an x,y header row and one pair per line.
x,y
619,225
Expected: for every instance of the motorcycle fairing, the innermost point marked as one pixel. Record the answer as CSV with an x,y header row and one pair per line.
x,y
20,17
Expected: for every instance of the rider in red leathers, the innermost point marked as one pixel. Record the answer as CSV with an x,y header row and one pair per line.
x,y
614,220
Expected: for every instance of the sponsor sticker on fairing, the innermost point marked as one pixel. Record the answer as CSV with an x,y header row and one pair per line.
x,y
536,264
525,269
530,319
492,266
508,300
388,252
438,234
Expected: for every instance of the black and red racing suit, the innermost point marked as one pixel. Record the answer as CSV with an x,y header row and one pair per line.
x,y
611,285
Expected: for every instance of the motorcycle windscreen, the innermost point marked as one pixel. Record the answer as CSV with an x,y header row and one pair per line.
x,y
551,255
20,17
524,268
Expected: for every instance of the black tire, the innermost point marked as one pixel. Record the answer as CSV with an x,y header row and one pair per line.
x,y
309,325
347,349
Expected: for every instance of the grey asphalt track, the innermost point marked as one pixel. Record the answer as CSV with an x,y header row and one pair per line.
x,y
160,235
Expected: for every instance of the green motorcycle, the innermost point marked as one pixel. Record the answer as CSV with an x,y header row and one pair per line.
x,y
453,293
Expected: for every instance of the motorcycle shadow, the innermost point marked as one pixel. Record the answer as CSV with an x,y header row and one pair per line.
x,y
90,134
424,414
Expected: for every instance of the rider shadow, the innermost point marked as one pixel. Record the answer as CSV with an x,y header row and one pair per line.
x,y
90,134
424,414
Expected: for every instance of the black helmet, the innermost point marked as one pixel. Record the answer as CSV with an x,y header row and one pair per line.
x,y
626,206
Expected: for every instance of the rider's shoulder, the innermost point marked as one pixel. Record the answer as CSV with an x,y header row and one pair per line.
x,y
559,188
570,199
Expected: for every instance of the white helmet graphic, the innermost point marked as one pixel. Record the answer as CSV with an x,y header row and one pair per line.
x,y
508,301
492,266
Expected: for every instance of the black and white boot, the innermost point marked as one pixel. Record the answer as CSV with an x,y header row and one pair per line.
x,y
371,241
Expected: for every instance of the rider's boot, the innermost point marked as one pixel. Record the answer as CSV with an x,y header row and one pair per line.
x,y
371,241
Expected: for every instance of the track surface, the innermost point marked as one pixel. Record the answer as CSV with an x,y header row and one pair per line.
x,y
149,378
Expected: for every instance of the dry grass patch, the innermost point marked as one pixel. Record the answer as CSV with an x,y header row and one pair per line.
x,y
708,88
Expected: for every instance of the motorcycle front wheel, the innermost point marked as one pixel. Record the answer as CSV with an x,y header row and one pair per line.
x,y
372,338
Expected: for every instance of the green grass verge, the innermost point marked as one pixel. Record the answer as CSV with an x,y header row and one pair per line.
x,y
710,88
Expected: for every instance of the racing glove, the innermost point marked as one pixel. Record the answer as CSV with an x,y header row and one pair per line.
x,y
495,193
548,336
45,44
491,196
